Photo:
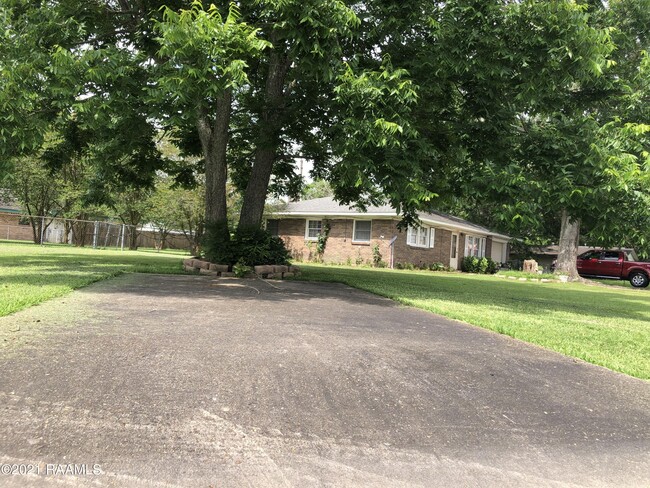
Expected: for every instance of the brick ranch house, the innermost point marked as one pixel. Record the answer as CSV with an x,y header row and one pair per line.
x,y
13,225
441,238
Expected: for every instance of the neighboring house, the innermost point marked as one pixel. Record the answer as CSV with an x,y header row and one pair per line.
x,y
353,234
13,225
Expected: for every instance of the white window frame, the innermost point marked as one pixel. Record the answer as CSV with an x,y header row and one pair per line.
x,y
320,229
432,237
475,246
419,232
354,232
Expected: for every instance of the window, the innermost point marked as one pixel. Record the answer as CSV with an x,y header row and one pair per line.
x,y
417,236
475,246
631,256
590,255
272,227
362,231
313,229
610,256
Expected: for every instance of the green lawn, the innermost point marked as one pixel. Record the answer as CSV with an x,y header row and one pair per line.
x,y
31,274
608,326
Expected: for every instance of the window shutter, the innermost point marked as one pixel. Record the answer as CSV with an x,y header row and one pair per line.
x,y
432,237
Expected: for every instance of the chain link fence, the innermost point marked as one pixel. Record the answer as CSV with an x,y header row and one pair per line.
x,y
76,232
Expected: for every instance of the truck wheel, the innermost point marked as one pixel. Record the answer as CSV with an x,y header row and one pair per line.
x,y
639,280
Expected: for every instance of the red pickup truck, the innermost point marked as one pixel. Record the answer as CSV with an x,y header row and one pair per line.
x,y
616,265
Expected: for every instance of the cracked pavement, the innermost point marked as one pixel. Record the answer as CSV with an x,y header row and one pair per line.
x,y
193,381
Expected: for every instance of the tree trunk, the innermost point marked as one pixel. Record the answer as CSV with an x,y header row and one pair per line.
x,y
268,140
133,240
36,233
214,142
568,252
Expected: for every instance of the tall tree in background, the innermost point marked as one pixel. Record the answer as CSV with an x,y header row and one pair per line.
x,y
575,153
122,68
397,101
202,63
33,186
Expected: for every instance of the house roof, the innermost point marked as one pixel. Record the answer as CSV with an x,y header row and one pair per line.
x,y
9,207
328,207
554,250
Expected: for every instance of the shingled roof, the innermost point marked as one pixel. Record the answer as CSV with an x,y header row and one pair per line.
x,y
9,207
328,207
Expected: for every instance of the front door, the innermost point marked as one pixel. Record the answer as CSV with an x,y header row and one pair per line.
x,y
453,259
588,263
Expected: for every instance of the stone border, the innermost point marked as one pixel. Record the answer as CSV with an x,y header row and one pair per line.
x,y
197,265
276,271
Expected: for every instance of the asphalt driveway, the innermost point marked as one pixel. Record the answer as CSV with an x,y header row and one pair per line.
x,y
166,381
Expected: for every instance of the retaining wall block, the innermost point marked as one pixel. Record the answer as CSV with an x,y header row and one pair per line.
x,y
262,270
198,263
280,269
220,268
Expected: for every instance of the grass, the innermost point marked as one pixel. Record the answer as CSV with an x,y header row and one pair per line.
x,y
530,276
31,274
608,326
620,283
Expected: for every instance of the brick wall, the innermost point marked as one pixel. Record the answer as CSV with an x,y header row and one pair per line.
x,y
461,247
11,229
341,249
439,253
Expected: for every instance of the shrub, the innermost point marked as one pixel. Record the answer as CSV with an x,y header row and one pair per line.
x,y
482,265
376,256
247,247
469,264
472,264
216,246
241,269
321,242
437,267
493,266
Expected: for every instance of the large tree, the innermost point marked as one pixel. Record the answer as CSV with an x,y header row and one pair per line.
x,y
392,100
130,67
574,164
